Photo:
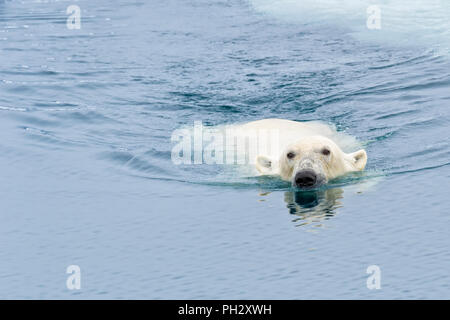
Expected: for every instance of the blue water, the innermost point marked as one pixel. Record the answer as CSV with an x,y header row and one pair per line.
x,y
86,176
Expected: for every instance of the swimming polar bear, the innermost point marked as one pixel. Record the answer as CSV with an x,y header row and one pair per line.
x,y
307,153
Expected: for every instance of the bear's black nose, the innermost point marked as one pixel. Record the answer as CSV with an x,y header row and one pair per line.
x,y
305,178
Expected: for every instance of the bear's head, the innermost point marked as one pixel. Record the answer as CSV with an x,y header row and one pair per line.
x,y
311,162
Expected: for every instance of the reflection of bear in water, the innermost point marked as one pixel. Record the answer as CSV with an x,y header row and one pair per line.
x,y
313,206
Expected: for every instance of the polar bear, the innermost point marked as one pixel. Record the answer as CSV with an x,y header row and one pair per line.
x,y
308,154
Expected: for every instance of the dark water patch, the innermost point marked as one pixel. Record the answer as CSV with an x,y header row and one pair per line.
x,y
423,123
396,114
96,84
49,139
190,96
14,50
20,89
410,97
439,149
49,105
408,61
84,116
390,88
121,157
420,169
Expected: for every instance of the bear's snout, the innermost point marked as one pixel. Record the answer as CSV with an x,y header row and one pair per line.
x,y
305,178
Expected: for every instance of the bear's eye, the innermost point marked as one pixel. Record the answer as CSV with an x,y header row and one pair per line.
x,y
326,151
290,155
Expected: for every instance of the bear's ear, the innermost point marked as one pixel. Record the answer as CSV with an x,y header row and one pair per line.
x,y
359,159
264,165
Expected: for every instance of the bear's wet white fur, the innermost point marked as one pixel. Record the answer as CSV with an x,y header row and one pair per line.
x,y
308,154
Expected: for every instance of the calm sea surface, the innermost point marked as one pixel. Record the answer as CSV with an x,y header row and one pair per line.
x,y
86,177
